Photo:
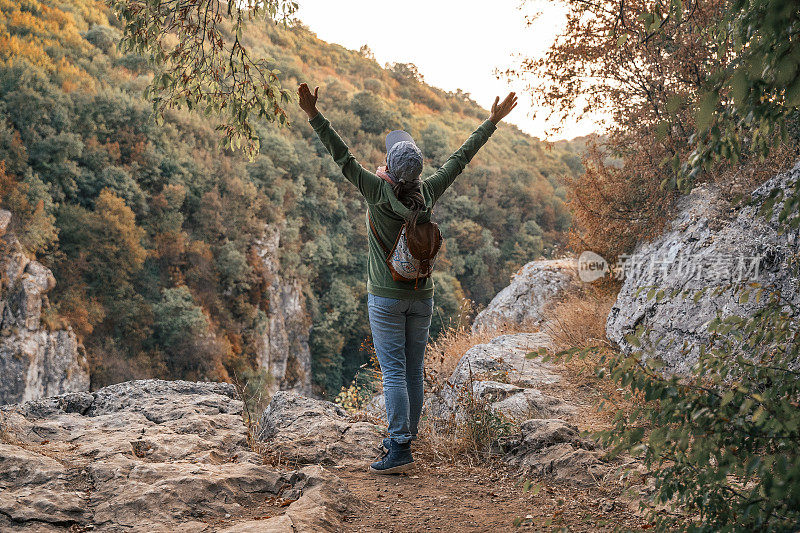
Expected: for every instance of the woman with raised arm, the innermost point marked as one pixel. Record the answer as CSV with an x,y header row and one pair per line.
x,y
399,311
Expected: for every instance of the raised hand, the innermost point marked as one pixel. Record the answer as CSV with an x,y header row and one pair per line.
x,y
501,110
308,101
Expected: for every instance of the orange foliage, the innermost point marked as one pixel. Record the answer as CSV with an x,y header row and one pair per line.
x,y
30,28
31,222
610,60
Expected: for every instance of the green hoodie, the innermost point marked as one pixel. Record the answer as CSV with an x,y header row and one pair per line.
x,y
388,214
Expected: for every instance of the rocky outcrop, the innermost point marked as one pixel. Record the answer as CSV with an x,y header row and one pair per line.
x,y
308,431
503,376
283,350
554,448
522,304
34,361
707,247
151,456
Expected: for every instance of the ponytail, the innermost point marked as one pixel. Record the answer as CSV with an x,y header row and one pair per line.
x,y
410,195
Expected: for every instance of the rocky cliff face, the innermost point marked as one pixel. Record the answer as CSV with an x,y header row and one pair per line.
x,y
522,304
284,350
34,361
707,247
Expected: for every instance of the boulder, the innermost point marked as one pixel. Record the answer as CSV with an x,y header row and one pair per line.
x,y
305,430
523,303
708,246
504,358
35,361
151,456
533,403
500,375
553,448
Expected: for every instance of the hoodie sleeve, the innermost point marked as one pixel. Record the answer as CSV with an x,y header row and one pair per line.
x,y
439,181
368,183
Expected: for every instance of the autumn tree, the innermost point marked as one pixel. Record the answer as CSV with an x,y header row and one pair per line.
x,y
104,245
647,65
32,210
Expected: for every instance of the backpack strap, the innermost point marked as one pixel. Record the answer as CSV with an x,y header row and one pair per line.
x,y
375,233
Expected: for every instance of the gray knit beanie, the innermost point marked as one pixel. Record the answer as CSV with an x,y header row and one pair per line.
x,y
404,161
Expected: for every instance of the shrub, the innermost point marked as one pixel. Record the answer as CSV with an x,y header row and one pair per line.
x,y
375,117
103,37
177,317
361,391
723,444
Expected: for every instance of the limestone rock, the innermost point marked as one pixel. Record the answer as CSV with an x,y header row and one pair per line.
x,y
310,431
522,304
284,350
34,361
34,364
532,403
151,456
500,375
321,506
5,220
505,357
554,448
704,248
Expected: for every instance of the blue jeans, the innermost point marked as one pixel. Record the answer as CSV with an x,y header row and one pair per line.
x,y
400,335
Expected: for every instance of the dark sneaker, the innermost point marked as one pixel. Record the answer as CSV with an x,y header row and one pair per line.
x,y
397,459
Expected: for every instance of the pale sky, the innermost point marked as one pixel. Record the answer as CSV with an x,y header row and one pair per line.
x,y
454,44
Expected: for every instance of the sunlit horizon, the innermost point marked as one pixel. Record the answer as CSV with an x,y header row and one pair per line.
x,y
455,45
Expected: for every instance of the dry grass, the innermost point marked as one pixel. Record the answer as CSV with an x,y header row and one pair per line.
x,y
470,439
443,355
578,320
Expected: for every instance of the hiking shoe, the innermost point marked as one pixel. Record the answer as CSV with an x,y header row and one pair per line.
x,y
397,459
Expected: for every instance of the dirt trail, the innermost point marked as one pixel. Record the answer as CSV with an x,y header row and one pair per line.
x,y
454,496
460,498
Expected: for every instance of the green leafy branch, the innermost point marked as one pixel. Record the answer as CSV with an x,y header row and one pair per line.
x,y
201,61
750,101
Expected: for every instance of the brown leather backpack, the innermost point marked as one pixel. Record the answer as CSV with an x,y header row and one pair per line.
x,y
413,255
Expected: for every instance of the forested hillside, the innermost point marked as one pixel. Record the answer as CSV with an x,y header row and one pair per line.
x,y
149,227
